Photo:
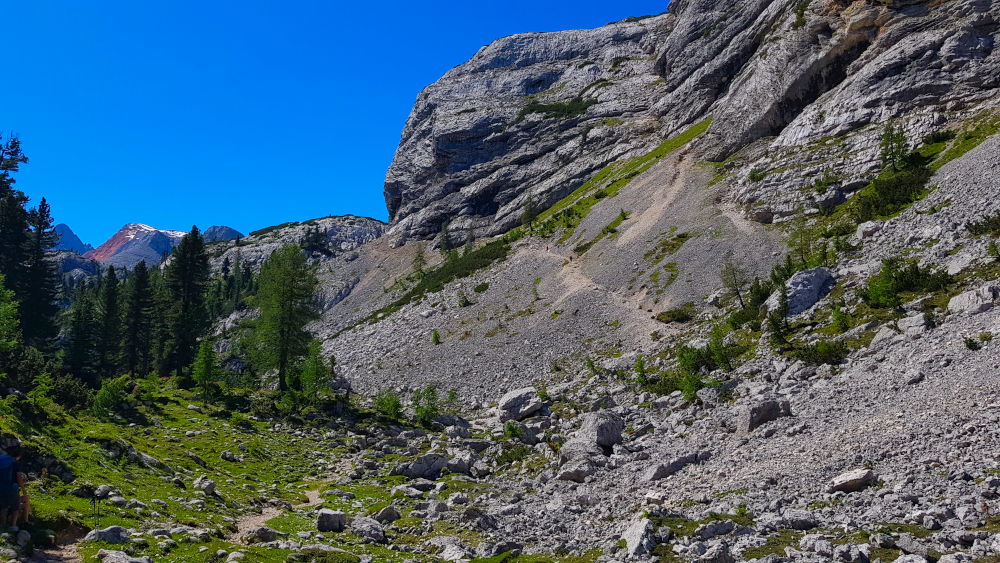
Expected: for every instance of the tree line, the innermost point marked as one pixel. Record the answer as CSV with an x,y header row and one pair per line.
x,y
150,321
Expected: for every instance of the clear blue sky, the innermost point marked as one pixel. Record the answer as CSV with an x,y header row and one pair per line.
x,y
245,113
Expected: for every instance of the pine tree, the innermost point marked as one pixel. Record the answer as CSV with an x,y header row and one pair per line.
x,y
419,260
286,300
894,147
205,370
81,351
109,339
41,280
138,326
315,372
13,218
529,213
445,242
187,277
735,279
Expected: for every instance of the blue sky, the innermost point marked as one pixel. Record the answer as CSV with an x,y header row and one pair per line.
x,y
244,113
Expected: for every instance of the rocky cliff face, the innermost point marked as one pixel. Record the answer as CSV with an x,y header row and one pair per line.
x,y
532,116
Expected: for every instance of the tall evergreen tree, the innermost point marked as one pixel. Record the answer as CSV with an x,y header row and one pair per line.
x,y
285,297
81,352
109,339
41,280
9,331
138,327
187,278
13,218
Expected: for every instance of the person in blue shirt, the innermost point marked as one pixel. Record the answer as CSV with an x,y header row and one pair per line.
x,y
12,487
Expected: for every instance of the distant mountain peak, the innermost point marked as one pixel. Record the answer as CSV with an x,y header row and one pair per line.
x,y
134,243
69,241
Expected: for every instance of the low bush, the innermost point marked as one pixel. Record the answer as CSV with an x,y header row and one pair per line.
x,y
110,397
389,405
988,225
425,406
883,289
822,352
681,314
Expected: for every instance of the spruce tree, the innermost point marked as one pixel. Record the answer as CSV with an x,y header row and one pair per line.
x,y
286,300
138,326
187,278
204,370
41,280
81,352
315,372
9,332
109,339
13,218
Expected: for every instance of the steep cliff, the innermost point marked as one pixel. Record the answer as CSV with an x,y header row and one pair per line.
x,y
532,116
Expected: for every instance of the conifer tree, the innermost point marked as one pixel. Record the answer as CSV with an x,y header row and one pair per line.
x,y
41,281
205,370
13,218
187,277
9,331
138,326
315,372
285,297
110,325
81,351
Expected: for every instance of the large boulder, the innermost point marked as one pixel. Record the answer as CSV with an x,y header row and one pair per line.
x,y
664,470
368,529
758,412
427,466
603,429
111,534
804,289
638,538
973,302
331,520
112,556
519,404
852,481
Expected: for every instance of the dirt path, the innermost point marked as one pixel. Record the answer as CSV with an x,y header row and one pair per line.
x,y
249,522
68,553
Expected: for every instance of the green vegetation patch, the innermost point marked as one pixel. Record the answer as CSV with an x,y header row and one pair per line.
x,y
572,209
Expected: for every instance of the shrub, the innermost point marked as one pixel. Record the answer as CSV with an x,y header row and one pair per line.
x,y
71,393
389,405
481,288
972,344
435,337
425,406
890,192
512,430
822,352
681,314
939,136
559,110
757,174
988,225
511,454
110,397
463,299
740,317
883,289
841,320
240,420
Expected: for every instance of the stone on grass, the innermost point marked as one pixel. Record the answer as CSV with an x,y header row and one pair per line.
x,y
368,529
638,538
111,534
331,520
111,556
427,466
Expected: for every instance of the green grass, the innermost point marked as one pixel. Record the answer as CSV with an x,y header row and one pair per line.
x,y
977,130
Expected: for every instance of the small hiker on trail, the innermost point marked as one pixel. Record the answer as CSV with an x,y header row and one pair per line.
x,y
13,494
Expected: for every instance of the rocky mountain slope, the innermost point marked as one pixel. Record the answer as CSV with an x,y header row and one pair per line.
x,y
613,401
69,241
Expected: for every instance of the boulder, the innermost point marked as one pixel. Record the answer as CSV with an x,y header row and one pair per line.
x,y
804,289
203,483
427,466
111,556
262,534
111,534
387,515
973,302
331,520
760,411
368,529
639,539
852,481
519,404
664,470
601,428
